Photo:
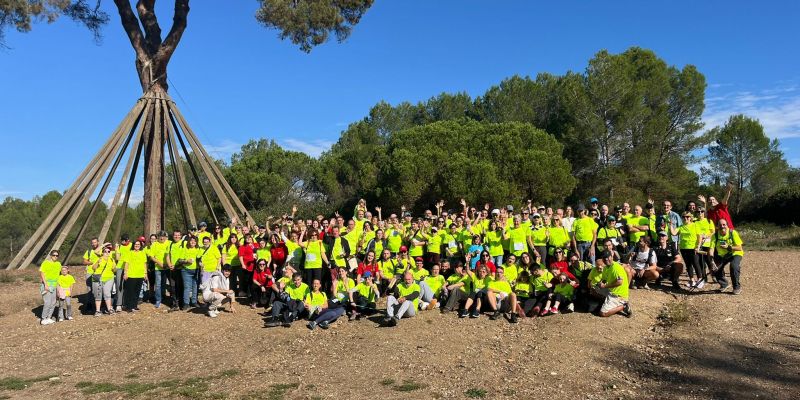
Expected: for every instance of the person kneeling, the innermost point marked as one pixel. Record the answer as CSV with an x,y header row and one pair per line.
x,y
290,304
217,291
403,302
613,286
500,296
364,297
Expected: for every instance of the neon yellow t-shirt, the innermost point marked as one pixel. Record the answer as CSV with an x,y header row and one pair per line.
x,y
297,292
158,251
480,284
65,282
232,254
500,286
565,289
731,238
210,259
419,273
137,264
434,245
687,236
406,290
315,299
51,269
539,282
539,236
613,273
466,279
518,240
523,289
435,283
366,291
511,272
584,229
105,269
494,239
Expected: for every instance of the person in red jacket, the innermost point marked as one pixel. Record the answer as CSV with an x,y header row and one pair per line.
x,y
561,265
261,286
719,210
278,252
247,259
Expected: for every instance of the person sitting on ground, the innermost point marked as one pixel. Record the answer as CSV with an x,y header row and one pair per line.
x,y
364,298
669,261
261,292
500,298
290,305
727,248
342,287
64,294
480,281
563,295
315,303
431,289
458,290
524,291
217,291
560,264
613,287
644,264
404,301
542,289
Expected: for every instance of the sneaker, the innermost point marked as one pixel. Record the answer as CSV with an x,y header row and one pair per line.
x,y
571,307
544,312
701,284
351,317
423,305
185,308
387,321
737,291
273,323
158,305
434,304
213,314
462,313
394,321
111,312
553,310
514,318
324,325
722,288
311,325
47,321
61,320
70,318
97,313
691,285
119,308
287,324
645,287
253,306
535,311
474,314
627,310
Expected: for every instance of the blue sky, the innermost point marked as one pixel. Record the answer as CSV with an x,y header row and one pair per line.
x,y
62,95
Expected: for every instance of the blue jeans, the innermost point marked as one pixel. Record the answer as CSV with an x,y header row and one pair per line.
x,y
189,287
583,251
498,260
161,276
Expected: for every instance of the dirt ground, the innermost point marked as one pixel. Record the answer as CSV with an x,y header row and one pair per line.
x,y
704,345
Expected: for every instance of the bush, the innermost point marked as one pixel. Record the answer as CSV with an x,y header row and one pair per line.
x,y
782,208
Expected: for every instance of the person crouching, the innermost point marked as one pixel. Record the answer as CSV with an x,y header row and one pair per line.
x,y
218,292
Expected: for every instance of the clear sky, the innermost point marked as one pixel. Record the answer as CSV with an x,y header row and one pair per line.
x,y
62,95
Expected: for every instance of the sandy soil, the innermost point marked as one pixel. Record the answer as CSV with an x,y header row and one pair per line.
x,y
704,345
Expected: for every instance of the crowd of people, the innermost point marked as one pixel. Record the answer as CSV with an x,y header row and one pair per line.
x,y
503,262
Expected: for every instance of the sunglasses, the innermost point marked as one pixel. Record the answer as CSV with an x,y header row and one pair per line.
x,y
262,265
54,255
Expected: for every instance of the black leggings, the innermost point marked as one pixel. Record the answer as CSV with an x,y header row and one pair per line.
x,y
692,260
130,295
310,274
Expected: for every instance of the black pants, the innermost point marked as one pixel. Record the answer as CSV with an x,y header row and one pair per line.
x,y
236,283
175,282
310,274
294,307
133,286
735,263
455,300
363,305
258,297
692,260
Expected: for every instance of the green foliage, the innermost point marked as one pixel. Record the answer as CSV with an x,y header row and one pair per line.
x,y
480,162
309,23
474,393
744,155
22,13
409,386
782,207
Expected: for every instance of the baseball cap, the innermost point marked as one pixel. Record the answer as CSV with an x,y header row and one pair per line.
x,y
510,207
662,233
495,211
593,200
611,218
367,274
202,224
141,239
535,215
418,259
605,254
403,249
581,207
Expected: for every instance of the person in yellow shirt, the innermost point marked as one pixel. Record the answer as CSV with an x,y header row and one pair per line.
x,y
186,260
122,249
321,311
458,290
613,287
364,297
158,257
289,304
501,298
563,295
542,286
584,238
49,272
480,281
430,288
64,284
101,272
89,257
727,249
135,274
403,302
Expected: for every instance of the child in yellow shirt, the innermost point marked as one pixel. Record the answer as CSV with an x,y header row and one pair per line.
x,y
64,286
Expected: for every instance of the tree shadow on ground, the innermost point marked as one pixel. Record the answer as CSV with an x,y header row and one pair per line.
x,y
719,369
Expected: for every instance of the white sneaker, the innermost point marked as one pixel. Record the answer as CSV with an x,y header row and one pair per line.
x,y
61,320
47,321
69,318
212,314
571,307
119,308
701,283
423,305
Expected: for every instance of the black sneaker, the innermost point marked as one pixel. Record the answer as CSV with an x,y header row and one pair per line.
x,y
627,310
273,323
474,314
394,321
287,324
495,315
324,325
514,318
462,313
387,321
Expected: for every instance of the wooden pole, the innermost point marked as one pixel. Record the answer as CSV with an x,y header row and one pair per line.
x,y
215,169
180,179
203,193
66,200
132,179
134,153
121,153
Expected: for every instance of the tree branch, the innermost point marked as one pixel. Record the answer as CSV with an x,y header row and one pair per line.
x,y
174,36
150,23
131,26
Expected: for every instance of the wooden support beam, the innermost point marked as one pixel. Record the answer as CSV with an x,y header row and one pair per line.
x,y
34,243
216,173
187,208
129,129
132,179
134,153
188,156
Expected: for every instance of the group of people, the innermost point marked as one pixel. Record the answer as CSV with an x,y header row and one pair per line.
x,y
531,262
